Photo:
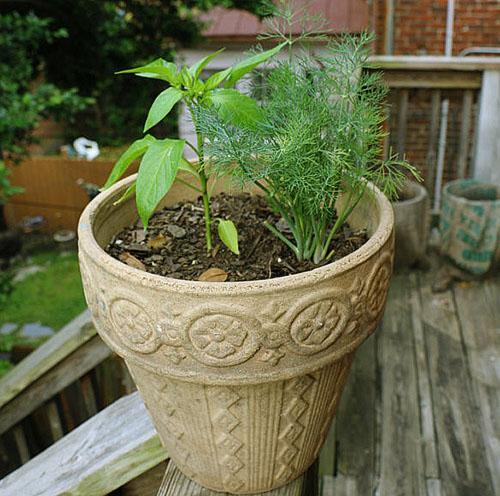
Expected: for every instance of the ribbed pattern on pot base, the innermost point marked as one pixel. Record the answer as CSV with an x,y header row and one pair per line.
x,y
246,439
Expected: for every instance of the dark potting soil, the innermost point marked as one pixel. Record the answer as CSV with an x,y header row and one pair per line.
x,y
174,243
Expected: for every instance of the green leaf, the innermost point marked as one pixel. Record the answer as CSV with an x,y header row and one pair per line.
x,y
186,166
228,235
156,174
129,192
162,105
135,150
198,86
195,69
186,77
215,79
236,108
245,66
158,69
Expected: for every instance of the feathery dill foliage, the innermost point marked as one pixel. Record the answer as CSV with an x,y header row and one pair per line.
x,y
321,135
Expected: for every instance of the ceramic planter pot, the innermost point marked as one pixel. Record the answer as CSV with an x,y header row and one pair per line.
x,y
411,225
242,379
470,225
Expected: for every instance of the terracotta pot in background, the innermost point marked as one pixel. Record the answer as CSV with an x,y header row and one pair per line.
x,y
242,379
411,225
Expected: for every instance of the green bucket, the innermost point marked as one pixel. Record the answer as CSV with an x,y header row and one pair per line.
x,y
470,225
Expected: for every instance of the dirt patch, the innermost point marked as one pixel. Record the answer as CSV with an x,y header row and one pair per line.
x,y
174,244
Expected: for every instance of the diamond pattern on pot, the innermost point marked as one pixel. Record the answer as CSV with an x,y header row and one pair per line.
x,y
225,422
294,410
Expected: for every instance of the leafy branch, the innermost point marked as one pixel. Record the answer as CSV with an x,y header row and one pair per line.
x,y
320,137
162,159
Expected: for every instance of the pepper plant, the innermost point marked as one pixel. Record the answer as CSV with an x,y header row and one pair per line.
x,y
162,159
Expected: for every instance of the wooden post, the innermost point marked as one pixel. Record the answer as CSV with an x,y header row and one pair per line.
x,y
463,147
389,27
402,122
487,150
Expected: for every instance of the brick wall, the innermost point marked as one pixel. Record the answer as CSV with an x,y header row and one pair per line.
x,y
420,29
420,25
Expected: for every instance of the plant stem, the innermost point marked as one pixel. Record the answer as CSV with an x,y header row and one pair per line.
x,y
283,238
340,220
203,179
206,209
187,184
204,192
195,150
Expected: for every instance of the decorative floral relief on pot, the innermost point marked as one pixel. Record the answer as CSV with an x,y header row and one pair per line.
x,y
318,321
221,335
133,325
377,285
368,297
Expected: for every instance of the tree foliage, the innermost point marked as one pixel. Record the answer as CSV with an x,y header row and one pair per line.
x,y
25,97
106,35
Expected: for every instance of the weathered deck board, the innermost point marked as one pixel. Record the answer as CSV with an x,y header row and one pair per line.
x,y
401,461
461,449
98,457
479,315
175,483
83,359
36,364
355,428
428,437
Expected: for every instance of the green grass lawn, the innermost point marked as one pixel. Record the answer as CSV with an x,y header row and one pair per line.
x,y
52,296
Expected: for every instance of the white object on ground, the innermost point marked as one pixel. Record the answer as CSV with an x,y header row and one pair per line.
x,y
86,148
36,330
24,272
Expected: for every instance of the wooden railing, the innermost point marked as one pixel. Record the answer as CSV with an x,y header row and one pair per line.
x,y
69,379
444,141
438,114
108,451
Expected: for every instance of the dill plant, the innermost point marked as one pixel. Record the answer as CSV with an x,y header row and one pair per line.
x,y
321,136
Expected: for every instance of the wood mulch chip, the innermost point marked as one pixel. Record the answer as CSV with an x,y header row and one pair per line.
x,y
174,243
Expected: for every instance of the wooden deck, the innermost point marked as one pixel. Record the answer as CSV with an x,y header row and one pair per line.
x,y
420,414
421,411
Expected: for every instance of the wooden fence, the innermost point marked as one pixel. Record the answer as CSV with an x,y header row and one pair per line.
x,y
51,189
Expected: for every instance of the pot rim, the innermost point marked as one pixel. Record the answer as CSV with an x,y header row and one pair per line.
x,y
448,191
89,245
420,193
